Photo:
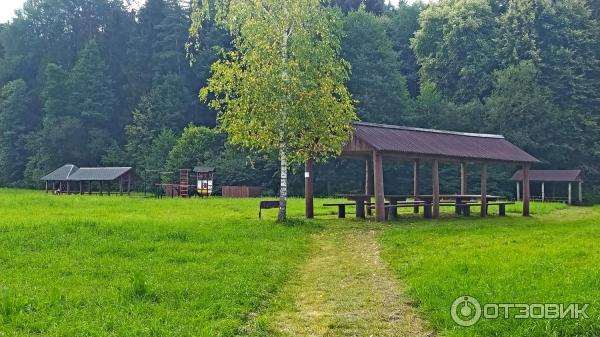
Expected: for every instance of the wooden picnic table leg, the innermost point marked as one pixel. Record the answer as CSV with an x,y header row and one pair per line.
x,y
467,210
360,209
393,210
369,210
341,211
457,206
427,209
502,210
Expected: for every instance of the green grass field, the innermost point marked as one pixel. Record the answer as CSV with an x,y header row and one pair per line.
x,y
551,258
119,266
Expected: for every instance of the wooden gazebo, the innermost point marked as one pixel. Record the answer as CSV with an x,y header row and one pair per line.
x,y
552,176
374,142
66,178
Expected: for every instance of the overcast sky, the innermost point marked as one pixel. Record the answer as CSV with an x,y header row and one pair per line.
x,y
8,7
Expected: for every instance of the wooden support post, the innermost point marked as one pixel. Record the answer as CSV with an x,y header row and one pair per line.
x,y
80,187
90,187
570,193
463,179
416,187
581,192
435,177
108,187
518,191
101,188
368,180
308,189
129,184
121,185
484,177
543,191
46,186
526,190
379,192
69,188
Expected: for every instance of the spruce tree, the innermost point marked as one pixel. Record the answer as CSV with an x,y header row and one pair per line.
x,y
93,100
14,106
376,81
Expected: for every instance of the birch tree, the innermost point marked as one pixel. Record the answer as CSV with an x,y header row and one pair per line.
x,y
282,87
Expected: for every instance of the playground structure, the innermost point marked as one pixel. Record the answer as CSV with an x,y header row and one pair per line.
x,y
203,186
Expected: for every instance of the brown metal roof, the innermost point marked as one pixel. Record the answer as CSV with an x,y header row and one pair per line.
x,y
434,143
550,175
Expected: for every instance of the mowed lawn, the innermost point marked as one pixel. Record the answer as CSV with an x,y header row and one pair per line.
x,y
119,266
552,257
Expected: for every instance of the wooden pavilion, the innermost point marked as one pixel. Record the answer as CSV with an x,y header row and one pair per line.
x,y
552,176
68,176
374,142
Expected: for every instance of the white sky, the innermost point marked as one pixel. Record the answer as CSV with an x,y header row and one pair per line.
x,y
8,7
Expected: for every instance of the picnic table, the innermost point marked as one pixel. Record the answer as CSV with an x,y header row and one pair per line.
x,y
425,200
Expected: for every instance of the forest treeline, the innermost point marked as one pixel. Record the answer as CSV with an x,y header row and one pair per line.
x,y
92,82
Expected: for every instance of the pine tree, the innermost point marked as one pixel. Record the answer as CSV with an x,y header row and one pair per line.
x,y
164,108
14,104
92,98
376,81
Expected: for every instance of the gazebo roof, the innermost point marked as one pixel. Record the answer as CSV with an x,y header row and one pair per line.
x,y
427,143
550,175
71,172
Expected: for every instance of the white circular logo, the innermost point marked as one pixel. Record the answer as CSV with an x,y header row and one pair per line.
x,y
466,311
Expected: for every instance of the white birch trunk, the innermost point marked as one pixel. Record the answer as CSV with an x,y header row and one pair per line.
x,y
282,215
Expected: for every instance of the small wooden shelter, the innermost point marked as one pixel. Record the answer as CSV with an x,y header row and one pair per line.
x,y
68,177
374,142
552,176
204,180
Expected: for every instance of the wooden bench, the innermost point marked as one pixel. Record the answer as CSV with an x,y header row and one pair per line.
x,y
267,205
391,210
341,207
466,208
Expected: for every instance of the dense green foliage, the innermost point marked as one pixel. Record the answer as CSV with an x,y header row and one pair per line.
x,y
95,83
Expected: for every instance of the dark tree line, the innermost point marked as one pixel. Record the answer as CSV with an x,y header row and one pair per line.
x,y
94,83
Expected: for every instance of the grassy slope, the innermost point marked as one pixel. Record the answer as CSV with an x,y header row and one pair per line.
x,y
551,258
101,266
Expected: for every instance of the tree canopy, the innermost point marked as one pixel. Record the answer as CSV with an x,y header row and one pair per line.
x,y
97,83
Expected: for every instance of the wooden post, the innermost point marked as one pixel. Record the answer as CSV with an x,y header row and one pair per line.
x,y
80,187
416,187
379,192
368,180
484,177
46,186
69,188
129,184
518,191
526,193
121,185
581,192
543,191
435,177
463,178
108,187
570,193
308,189
90,187
101,187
